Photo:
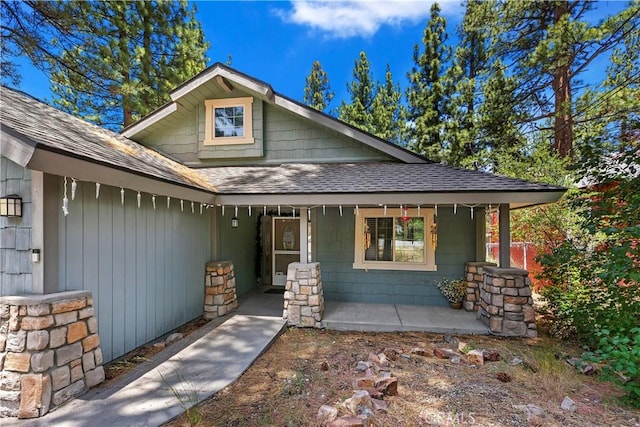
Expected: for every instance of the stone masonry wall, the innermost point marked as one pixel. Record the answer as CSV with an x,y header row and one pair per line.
x,y
474,277
49,351
303,296
219,289
506,305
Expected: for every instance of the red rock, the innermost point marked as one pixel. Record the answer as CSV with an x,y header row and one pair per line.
x,y
374,393
374,358
326,414
362,383
347,422
380,405
443,353
388,386
420,352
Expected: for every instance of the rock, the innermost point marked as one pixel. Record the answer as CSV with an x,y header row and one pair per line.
x,y
380,405
359,399
363,366
362,383
375,394
535,414
388,386
492,356
324,366
455,359
443,353
476,357
568,404
173,338
347,422
159,344
515,361
420,352
326,414
369,373
383,360
463,346
503,377
373,358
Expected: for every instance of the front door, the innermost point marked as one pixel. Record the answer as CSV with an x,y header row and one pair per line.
x,y
285,247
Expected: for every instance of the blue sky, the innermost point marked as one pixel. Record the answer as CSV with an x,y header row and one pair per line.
x,y
277,41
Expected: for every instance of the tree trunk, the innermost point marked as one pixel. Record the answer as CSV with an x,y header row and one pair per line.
x,y
563,141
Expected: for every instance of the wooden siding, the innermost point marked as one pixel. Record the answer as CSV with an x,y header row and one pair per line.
x,y
334,240
15,233
238,245
281,137
145,267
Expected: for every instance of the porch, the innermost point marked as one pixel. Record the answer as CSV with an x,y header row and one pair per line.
x,y
352,316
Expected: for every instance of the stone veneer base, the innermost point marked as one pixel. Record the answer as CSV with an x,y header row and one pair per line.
x,y
49,351
219,289
303,295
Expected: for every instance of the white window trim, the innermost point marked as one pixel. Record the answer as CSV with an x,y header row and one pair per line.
x,y
209,134
359,262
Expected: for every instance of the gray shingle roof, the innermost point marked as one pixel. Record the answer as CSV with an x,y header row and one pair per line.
x,y
57,131
362,178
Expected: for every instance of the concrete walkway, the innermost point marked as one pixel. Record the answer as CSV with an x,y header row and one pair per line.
x,y
347,316
198,366
207,361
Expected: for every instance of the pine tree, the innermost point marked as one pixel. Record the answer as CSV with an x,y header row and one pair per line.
x,y
317,92
428,93
551,45
112,62
471,61
387,111
362,91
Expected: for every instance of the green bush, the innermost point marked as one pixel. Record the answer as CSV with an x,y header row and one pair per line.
x,y
619,352
594,289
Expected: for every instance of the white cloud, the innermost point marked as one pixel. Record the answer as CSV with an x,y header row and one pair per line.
x,y
343,19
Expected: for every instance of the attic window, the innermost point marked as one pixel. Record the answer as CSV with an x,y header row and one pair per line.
x,y
228,121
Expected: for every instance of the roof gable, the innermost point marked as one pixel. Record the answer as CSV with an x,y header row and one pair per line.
x,y
228,79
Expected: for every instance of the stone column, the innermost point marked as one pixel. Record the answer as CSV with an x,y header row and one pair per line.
x,y
303,297
474,277
219,289
50,351
506,305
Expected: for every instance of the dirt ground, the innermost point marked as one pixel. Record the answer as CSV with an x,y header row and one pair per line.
x,y
305,369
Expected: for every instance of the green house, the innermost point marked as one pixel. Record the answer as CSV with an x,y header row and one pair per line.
x,y
230,169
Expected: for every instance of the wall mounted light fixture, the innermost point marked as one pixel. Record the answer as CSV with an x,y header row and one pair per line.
x,y
11,205
234,222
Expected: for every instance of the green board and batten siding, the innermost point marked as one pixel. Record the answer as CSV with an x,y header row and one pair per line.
x,y
144,267
334,243
285,138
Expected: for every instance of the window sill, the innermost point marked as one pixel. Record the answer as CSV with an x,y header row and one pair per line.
x,y
229,141
393,266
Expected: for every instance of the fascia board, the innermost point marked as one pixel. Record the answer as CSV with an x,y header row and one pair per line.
x,y
513,199
150,120
83,170
15,146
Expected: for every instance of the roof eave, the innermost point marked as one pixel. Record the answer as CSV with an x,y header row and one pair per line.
x,y
149,120
515,199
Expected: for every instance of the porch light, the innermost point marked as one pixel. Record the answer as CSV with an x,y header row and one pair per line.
x,y
234,222
11,205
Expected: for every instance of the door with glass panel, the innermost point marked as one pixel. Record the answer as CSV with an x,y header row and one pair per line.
x,y
285,247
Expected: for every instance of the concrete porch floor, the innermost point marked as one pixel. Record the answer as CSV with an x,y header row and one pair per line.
x,y
351,316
